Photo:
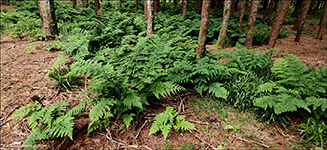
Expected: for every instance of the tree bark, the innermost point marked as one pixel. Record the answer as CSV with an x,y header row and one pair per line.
x,y
150,16
97,7
84,3
174,2
136,5
302,17
240,22
156,6
198,6
224,25
278,20
323,21
74,3
185,6
145,10
119,4
251,23
270,8
48,18
298,19
297,8
203,29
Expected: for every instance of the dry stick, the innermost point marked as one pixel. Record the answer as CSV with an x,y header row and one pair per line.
x,y
130,146
202,140
58,147
138,133
254,142
180,104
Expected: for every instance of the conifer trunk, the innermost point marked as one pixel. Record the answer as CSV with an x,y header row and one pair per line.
x,y
301,19
136,5
119,4
224,25
198,6
48,19
323,21
277,23
156,5
97,7
203,29
251,23
185,6
240,22
216,5
150,16
297,8
84,3
145,10
74,3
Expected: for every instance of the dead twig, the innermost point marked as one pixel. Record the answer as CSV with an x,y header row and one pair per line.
x,y
138,133
202,140
180,104
58,147
253,142
125,145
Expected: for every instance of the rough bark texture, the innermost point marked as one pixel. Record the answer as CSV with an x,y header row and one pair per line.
x,y
74,3
251,22
277,23
216,5
156,4
97,7
198,6
185,6
47,15
224,24
302,17
323,21
84,3
297,8
136,5
203,29
240,22
149,27
145,10
298,18
270,8
174,2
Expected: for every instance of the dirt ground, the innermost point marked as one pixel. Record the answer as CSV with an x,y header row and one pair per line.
x,y
23,76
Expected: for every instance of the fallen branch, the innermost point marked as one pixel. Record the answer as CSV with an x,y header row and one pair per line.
x,y
202,140
138,133
253,142
129,146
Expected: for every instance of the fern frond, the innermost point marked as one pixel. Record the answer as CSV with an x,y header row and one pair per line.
x,y
165,88
317,102
217,90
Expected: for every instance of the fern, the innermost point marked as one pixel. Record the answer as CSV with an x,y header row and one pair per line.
x,y
165,88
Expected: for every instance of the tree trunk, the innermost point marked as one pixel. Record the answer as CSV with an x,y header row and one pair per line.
x,y
224,25
297,8
145,10
302,17
136,5
185,6
298,19
265,5
277,24
235,8
216,5
119,4
203,29
97,7
156,6
240,22
150,16
270,8
232,8
174,2
323,21
198,6
74,3
48,18
84,3
251,22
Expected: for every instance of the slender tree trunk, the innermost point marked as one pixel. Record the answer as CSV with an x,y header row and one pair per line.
x,y
185,6
145,10
119,4
298,19
235,5
216,5
48,18
136,5
198,6
251,23
97,7
232,8
84,3
264,5
278,20
74,3
150,16
156,6
174,2
302,17
240,22
203,29
224,26
297,8
270,8
323,21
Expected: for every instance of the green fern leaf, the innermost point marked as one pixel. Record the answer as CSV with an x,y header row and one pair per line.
x,y
317,102
217,90
132,100
127,118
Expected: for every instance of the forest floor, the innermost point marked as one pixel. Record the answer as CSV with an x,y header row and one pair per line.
x,y
24,67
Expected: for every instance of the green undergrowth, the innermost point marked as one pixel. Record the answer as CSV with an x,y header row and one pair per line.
x,y
127,71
